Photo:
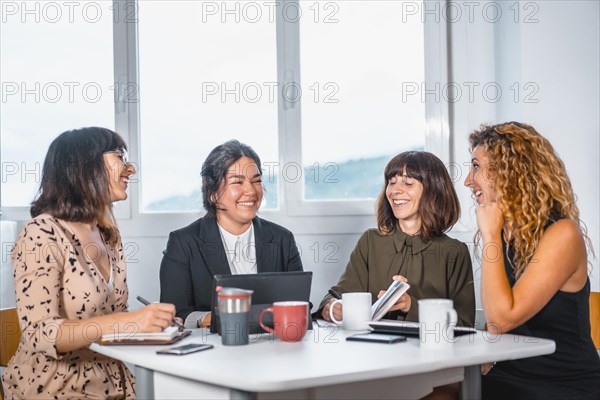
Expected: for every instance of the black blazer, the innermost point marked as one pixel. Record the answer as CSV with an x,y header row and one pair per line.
x,y
195,254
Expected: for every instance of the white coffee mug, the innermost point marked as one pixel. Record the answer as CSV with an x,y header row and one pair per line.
x,y
356,311
437,319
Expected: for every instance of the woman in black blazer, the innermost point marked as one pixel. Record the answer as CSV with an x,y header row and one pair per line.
x,y
230,238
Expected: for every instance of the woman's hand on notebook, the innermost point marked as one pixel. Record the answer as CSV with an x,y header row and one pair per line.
x,y
152,318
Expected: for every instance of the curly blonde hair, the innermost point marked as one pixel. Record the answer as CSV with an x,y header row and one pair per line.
x,y
531,183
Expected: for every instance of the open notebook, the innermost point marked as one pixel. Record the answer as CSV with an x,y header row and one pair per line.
x,y
169,335
389,298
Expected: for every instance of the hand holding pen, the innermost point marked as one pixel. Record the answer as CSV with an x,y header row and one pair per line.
x,y
173,320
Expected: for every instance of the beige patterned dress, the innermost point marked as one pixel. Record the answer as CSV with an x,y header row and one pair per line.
x,y
56,281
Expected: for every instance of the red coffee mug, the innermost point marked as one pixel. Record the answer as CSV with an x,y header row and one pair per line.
x,y
290,320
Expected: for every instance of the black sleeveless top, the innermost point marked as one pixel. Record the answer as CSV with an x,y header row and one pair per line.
x,y
573,370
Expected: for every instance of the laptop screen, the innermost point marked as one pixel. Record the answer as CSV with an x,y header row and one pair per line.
x,y
268,288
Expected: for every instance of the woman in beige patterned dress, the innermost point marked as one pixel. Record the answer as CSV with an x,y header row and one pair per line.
x,y
70,275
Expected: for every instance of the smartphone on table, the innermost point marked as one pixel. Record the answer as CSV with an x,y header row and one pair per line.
x,y
377,338
185,349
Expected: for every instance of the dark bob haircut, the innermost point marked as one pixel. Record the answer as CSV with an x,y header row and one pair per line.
x,y
215,169
75,181
439,208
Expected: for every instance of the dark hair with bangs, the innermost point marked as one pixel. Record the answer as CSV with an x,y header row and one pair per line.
x,y
439,208
215,168
75,181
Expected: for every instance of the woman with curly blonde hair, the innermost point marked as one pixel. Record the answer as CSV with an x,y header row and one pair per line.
x,y
534,278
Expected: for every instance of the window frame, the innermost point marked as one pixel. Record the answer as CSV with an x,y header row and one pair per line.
x,y
290,197
437,135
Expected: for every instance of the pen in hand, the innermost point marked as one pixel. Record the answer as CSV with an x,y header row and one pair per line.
x,y
334,294
146,302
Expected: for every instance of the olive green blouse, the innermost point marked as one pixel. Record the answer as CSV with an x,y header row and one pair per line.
x,y
439,268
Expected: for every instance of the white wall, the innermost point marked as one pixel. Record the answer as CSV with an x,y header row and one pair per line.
x,y
554,50
562,56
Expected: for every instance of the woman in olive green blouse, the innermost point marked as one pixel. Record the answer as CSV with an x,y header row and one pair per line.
x,y
417,204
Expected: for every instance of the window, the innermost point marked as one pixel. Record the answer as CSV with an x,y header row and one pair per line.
x,y
207,75
56,69
316,94
354,116
211,71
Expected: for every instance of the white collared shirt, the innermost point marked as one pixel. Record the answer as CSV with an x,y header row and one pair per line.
x,y
240,251
242,261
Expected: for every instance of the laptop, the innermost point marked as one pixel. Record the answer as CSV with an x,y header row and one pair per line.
x,y
268,288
